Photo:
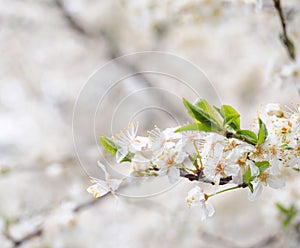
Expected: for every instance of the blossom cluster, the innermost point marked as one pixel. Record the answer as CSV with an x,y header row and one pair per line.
x,y
212,150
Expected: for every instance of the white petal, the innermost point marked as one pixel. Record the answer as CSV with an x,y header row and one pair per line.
x,y
254,169
232,169
138,157
173,174
114,184
138,143
121,153
98,190
102,166
209,209
274,168
275,182
180,157
218,151
258,188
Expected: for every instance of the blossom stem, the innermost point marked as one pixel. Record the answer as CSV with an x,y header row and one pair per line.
x,y
198,154
224,190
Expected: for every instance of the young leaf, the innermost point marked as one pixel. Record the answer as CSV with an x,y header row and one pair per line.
x,y
231,117
250,186
247,178
205,106
109,145
194,127
201,116
262,133
262,166
246,135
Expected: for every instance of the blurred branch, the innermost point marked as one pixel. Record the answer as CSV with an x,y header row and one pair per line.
x,y
220,240
288,43
114,50
38,232
268,241
17,242
70,19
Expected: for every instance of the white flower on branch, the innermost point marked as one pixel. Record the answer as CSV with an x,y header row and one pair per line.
x,y
196,197
162,140
218,154
274,109
168,161
127,141
265,179
102,187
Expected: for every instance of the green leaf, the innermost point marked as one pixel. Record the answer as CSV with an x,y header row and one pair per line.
x,y
296,169
287,213
109,144
286,147
247,177
262,133
111,147
201,116
231,117
262,166
246,135
205,106
250,186
194,127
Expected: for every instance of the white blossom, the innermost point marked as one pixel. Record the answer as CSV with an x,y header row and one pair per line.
x,y
266,179
128,141
102,187
196,197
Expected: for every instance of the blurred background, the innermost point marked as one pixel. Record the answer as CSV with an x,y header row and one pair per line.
x,y
49,49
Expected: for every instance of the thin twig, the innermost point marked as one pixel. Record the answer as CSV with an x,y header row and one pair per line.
x,y
288,43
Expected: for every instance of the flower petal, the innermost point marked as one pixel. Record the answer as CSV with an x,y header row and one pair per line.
x,y
275,182
258,188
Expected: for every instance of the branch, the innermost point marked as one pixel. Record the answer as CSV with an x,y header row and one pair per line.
x,y
201,178
288,43
268,241
220,240
17,242
38,232
114,50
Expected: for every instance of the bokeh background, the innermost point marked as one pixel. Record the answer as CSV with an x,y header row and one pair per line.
x,y
49,49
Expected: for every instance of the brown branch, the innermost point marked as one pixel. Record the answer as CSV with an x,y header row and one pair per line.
x,y
288,43
201,178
